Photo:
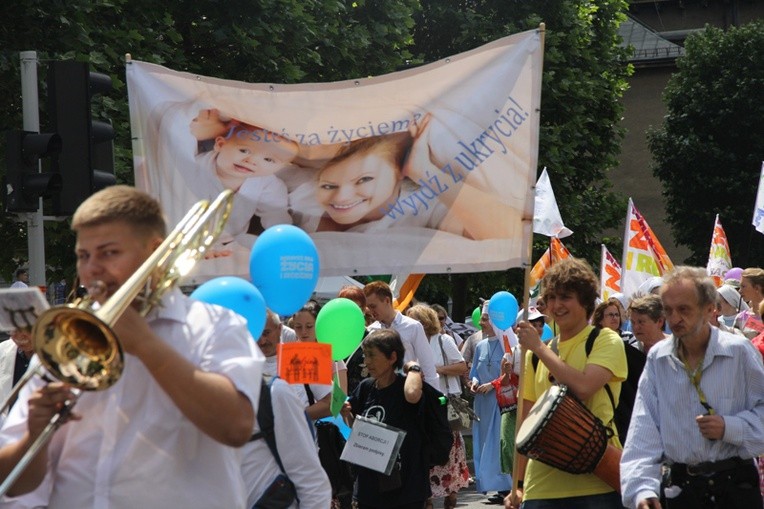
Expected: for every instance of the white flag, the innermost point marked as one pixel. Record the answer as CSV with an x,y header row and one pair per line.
x,y
758,208
546,216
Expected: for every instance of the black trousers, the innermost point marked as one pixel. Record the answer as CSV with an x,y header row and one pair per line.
x,y
731,489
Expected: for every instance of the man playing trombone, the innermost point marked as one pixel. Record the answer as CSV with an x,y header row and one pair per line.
x,y
165,434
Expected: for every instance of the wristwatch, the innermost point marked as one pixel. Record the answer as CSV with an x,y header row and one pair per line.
x,y
416,368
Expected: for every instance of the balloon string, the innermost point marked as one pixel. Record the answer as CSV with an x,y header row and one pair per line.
x,y
354,351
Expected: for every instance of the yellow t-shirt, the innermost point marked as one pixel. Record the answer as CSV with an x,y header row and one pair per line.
x,y
546,482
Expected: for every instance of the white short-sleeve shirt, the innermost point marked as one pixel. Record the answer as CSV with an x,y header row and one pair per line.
x,y
133,446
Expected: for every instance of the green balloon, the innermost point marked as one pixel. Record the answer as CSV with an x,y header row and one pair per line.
x,y
476,318
341,324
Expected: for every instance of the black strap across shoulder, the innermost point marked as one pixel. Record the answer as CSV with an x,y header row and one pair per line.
x,y
593,335
265,421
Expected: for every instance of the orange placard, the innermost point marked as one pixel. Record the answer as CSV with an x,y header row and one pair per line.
x,y
305,363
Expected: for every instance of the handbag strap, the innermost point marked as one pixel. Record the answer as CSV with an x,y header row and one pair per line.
x,y
445,359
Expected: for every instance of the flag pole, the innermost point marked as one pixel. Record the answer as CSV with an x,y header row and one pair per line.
x,y
527,265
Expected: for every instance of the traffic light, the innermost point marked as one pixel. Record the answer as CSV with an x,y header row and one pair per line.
x,y
86,162
24,184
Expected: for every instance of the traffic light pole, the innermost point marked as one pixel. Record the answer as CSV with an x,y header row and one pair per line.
x,y
31,111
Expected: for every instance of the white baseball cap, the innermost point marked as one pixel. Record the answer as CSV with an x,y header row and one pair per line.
x,y
533,314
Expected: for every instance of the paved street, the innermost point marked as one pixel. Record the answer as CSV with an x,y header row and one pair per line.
x,y
469,499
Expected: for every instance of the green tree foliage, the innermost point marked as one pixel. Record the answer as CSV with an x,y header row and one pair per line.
x,y
288,41
585,74
279,41
708,152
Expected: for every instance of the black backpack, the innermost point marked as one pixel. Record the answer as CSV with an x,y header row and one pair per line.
x,y
635,362
265,420
330,446
282,489
437,437
436,432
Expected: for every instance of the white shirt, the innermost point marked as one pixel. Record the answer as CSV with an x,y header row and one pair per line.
x,y
297,451
450,384
416,345
8,354
19,284
663,426
468,348
319,390
133,446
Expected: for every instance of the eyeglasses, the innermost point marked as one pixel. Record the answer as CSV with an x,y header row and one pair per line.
x,y
612,315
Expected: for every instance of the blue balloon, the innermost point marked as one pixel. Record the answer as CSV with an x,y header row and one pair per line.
x,y
340,422
547,333
238,295
284,266
502,310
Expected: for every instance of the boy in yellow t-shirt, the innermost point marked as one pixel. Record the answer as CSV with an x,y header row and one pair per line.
x,y
570,290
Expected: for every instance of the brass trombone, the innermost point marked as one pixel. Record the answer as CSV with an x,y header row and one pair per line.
x,y
75,342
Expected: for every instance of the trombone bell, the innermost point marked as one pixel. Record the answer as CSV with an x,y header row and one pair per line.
x,y
78,348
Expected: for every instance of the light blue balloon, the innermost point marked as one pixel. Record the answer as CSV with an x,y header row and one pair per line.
x,y
284,266
238,295
502,310
547,333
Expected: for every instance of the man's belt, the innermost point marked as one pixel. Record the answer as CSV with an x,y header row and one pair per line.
x,y
711,467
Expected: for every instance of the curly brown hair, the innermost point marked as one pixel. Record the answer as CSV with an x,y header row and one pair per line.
x,y
572,275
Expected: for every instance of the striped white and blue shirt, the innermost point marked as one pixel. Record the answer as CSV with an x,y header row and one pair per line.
x,y
663,427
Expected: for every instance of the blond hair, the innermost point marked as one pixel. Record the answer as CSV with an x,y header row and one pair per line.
x,y
427,316
755,276
121,203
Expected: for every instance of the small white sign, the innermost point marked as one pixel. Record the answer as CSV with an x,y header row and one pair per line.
x,y
373,445
20,307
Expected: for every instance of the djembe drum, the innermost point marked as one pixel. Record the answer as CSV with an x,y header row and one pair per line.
x,y
561,432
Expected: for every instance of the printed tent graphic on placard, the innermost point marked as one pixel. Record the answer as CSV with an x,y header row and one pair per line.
x,y
388,174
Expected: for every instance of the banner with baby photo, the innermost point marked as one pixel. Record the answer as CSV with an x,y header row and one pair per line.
x,y
424,170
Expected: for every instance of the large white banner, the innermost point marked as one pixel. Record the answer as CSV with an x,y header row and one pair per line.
x,y
424,170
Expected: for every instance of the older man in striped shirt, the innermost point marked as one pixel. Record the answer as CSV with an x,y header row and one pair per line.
x,y
698,420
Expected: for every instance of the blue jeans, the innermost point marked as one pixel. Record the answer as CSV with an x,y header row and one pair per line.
x,y
610,500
